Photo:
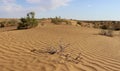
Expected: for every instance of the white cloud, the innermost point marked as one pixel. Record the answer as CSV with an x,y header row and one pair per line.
x,y
33,1
48,4
11,7
57,3
7,1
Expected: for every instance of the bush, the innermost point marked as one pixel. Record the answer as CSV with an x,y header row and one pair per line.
x,y
59,50
78,22
2,24
107,33
104,27
58,20
28,22
12,22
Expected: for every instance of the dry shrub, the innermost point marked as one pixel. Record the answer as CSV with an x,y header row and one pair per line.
x,y
106,33
79,22
2,25
60,51
59,20
53,49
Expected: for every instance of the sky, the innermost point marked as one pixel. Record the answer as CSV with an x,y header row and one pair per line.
x,y
70,9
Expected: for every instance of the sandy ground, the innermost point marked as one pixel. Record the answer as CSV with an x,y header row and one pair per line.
x,y
11,28
24,50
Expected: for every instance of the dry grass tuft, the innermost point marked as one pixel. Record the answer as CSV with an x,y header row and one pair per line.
x,y
106,33
60,51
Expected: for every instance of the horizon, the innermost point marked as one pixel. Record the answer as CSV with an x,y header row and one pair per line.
x,y
68,19
104,10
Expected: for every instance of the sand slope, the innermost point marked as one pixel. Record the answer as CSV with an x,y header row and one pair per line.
x,y
98,53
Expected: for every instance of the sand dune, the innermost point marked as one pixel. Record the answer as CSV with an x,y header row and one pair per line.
x,y
97,53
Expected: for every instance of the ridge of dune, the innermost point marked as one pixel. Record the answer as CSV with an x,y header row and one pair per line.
x,y
98,53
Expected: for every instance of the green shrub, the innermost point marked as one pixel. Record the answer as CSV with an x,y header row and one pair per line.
x,y
28,22
57,20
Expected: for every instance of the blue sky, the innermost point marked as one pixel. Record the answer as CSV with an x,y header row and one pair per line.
x,y
75,9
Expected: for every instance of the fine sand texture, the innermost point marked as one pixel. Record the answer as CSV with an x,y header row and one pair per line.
x,y
29,50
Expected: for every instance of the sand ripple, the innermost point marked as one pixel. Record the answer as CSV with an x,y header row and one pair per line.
x,y
16,46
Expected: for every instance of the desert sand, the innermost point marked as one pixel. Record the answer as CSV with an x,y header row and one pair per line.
x,y
24,50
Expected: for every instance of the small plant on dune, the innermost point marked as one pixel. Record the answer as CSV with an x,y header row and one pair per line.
x,y
58,20
108,32
28,22
67,22
8,23
12,22
78,22
104,27
2,24
60,51
54,50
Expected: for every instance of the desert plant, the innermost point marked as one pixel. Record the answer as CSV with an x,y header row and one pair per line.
x,y
2,25
67,21
23,24
106,32
102,32
53,50
78,22
28,22
60,51
12,22
104,27
57,20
